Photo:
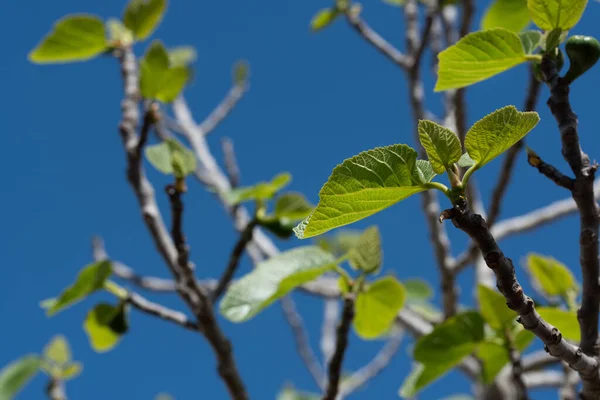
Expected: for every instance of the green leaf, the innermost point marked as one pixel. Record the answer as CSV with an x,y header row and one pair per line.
x,y
494,309
323,18
58,351
367,253
508,14
292,206
341,242
362,186
466,161
118,33
272,279
497,132
452,340
565,321
182,56
171,157
531,40
16,375
71,371
377,307
74,38
241,72
551,277
442,145
90,279
425,171
143,16
172,84
421,376
493,356
427,310
550,14
479,56
417,290
105,324
289,393
260,191
158,80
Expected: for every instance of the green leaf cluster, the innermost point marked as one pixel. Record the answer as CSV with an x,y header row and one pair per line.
x,y
171,157
261,191
290,208
160,79
57,360
551,278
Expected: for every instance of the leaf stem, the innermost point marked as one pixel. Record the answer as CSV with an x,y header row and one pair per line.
x,y
115,289
439,186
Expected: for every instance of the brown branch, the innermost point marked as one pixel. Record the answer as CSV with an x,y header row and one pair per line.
x,y
55,389
549,171
335,365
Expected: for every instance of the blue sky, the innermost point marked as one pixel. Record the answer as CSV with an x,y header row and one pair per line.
x,y
315,99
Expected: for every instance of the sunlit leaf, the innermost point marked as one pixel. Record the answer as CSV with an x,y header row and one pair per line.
x,y
16,375
494,309
551,277
531,40
442,145
565,321
260,191
182,56
142,17
105,324
323,18
550,14
171,157
367,254
508,14
377,307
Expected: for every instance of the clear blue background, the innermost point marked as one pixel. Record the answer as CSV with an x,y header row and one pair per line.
x,y
315,99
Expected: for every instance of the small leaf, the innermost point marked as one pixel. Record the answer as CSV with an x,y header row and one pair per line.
x,y
143,16
452,340
466,161
72,371
292,206
565,321
367,254
118,33
494,309
152,68
104,325
478,56
165,155
323,18
531,40
90,279
421,376
341,242
493,356
74,38
260,191
426,310
377,307
550,14
272,279
58,351
182,56
551,277
497,132
417,290
442,145
425,170
172,84
241,72
508,14
362,186
15,375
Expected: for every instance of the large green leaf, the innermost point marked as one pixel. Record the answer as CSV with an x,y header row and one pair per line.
x,y
74,38
377,307
551,277
442,145
362,186
105,324
421,376
565,321
16,375
273,279
143,16
494,309
90,279
550,14
260,191
497,132
171,157
367,254
479,56
158,79
508,14
452,340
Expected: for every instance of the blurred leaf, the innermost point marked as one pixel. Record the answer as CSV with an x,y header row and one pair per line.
x,y
367,254
494,357
426,310
494,309
421,376
72,371
158,80
182,56
341,242
466,161
565,321
293,206
172,83
171,157
90,279
260,191
15,375
241,72
323,18
551,277
417,290
377,307
58,351
272,279
104,325
550,14
508,14
74,38
117,32
164,396
142,17
290,393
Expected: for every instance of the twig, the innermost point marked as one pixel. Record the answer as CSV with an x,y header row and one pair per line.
x,y
568,389
335,365
543,379
234,260
537,360
231,99
475,226
516,367
55,389
331,311
302,344
231,166
549,171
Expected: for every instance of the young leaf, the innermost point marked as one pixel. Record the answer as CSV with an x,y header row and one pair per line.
x,y
565,321
493,356
442,145
421,376
550,14
451,341
71,371
479,56
551,277
241,72
425,171
74,38
171,157
182,56
104,325
172,83
58,351
377,307
362,186
508,14
90,279
260,191
292,206
466,161
531,40
417,290
323,18
143,16
272,279
341,242
16,375
159,80
494,309
367,254
118,33
497,132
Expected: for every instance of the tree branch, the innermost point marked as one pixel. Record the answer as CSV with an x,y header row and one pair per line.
x,y
55,389
549,171
516,366
231,166
232,98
